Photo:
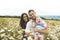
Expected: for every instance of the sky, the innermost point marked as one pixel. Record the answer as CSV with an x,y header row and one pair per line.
x,y
42,7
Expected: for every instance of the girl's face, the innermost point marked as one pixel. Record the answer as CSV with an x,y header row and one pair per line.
x,y
25,18
37,21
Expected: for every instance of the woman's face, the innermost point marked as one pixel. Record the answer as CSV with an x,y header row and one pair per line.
x,y
25,18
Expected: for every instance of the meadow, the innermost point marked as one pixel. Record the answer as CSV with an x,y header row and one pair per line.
x,y
10,29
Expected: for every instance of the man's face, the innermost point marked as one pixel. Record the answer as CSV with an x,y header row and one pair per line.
x,y
32,15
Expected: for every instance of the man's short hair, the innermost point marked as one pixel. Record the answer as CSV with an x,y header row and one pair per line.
x,y
30,11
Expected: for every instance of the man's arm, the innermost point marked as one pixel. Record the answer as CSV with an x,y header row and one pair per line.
x,y
45,31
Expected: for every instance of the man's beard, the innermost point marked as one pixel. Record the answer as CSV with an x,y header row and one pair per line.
x,y
34,18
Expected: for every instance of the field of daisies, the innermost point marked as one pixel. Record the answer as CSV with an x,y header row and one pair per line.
x,y
10,29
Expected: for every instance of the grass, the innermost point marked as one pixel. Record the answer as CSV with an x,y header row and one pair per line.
x,y
10,29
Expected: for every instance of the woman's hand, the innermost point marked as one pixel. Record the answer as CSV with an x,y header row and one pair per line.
x,y
23,29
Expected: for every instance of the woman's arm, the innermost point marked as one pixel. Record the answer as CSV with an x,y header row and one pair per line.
x,y
27,30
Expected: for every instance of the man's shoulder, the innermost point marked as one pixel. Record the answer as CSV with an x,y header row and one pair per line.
x,y
29,22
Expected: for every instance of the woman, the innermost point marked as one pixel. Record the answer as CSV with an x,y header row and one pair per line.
x,y
23,22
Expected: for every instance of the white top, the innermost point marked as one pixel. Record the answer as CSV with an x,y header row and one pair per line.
x,y
29,26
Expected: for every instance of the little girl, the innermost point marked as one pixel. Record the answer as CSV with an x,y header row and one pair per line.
x,y
39,24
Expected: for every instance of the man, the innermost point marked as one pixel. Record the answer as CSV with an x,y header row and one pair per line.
x,y
32,15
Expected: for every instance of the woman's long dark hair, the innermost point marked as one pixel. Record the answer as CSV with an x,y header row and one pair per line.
x,y
22,22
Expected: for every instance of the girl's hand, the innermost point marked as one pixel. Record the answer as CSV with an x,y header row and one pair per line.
x,y
36,30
